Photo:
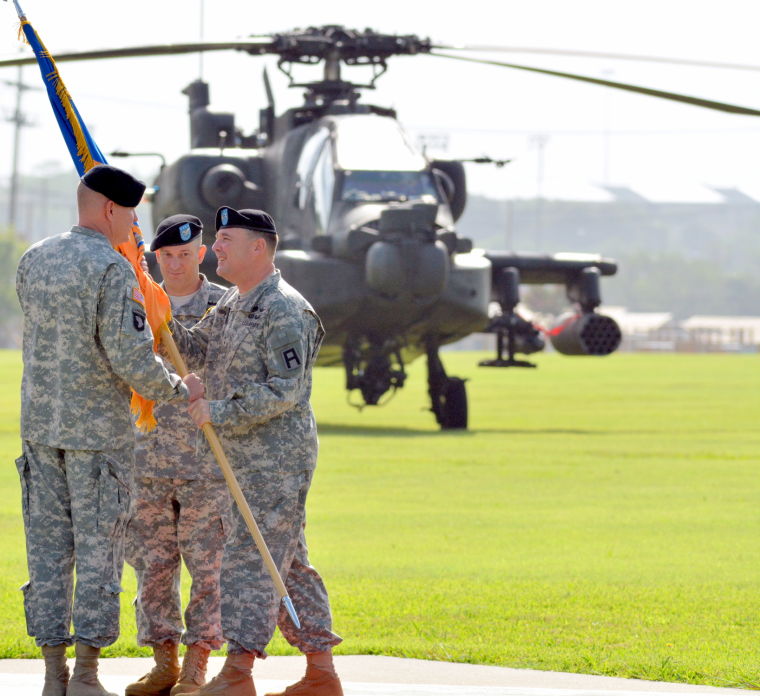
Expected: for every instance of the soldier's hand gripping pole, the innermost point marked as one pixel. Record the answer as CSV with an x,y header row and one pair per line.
x,y
233,485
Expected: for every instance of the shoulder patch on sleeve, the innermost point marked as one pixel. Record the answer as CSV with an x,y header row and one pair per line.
x,y
287,348
290,358
138,320
137,296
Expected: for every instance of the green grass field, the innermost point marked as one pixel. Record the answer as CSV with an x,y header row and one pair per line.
x,y
600,516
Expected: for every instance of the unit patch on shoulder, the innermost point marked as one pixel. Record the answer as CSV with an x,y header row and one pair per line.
x,y
291,358
286,348
138,321
137,296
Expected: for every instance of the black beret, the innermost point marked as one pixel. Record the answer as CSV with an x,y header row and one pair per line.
x,y
249,219
176,229
115,184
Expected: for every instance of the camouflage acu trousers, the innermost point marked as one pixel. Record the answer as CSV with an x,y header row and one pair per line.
x,y
75,505
250,605
174,519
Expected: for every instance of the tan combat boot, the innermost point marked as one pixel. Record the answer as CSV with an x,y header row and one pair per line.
x,y
319,681
84,681
193,674
160,680
56,670
234,680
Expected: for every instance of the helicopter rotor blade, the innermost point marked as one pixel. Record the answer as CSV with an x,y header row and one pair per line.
x,y
660,94
251,45
598,54
259,45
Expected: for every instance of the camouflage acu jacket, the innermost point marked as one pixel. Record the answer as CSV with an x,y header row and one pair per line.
x,y
169,451
86,341
257,352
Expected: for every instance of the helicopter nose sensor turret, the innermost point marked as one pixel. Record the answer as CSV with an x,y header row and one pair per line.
x,y
406,262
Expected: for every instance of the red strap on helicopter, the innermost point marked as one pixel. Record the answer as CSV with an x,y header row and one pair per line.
x,y
559,328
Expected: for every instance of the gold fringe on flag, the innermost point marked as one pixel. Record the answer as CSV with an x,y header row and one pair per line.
x,y
83,151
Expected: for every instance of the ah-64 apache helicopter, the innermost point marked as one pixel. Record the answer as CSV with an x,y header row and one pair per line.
x,y
367,222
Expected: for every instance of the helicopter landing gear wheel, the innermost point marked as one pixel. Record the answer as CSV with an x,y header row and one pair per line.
x,y
448,395
454,405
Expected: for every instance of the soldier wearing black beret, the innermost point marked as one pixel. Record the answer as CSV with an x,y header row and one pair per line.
x,y
248,218
175,230
258,347
106,199
86,341
180,503
115,184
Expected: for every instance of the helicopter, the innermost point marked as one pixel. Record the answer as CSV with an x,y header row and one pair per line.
x,y
367,221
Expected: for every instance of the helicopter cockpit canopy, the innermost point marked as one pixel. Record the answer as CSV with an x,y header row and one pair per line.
x,y
369,160
375,186
378,162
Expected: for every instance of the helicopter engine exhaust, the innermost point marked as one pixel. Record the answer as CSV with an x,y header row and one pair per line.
x,y
223,184
585,334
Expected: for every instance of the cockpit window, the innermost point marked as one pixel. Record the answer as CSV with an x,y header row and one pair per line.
x,y
378,161
323,182
374,143
376,186
306,162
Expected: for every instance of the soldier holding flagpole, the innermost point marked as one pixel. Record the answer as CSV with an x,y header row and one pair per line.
x,y
315,638
257,348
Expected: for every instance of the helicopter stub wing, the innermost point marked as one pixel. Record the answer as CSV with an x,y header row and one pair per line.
x,y
580,332
536,269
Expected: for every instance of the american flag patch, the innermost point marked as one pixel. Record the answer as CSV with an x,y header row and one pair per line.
x,y
137,296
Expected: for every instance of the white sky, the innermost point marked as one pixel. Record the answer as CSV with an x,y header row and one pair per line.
x,y
591,136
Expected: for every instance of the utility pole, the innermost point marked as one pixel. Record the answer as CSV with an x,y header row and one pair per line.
x,y
539,140
19,121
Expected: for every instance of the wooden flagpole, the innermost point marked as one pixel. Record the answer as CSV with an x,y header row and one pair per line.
x,y
232,483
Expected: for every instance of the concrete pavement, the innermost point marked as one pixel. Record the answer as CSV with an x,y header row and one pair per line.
x,y
375,675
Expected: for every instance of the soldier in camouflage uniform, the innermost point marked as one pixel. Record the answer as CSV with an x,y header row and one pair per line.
x,y
86,341
258,347
180,505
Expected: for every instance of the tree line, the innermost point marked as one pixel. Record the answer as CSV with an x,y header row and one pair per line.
x,y
684,258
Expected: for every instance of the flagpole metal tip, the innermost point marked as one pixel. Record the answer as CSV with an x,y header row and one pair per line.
x,y
288,602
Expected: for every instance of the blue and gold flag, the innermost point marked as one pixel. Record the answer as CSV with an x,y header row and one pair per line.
x,y
84,151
